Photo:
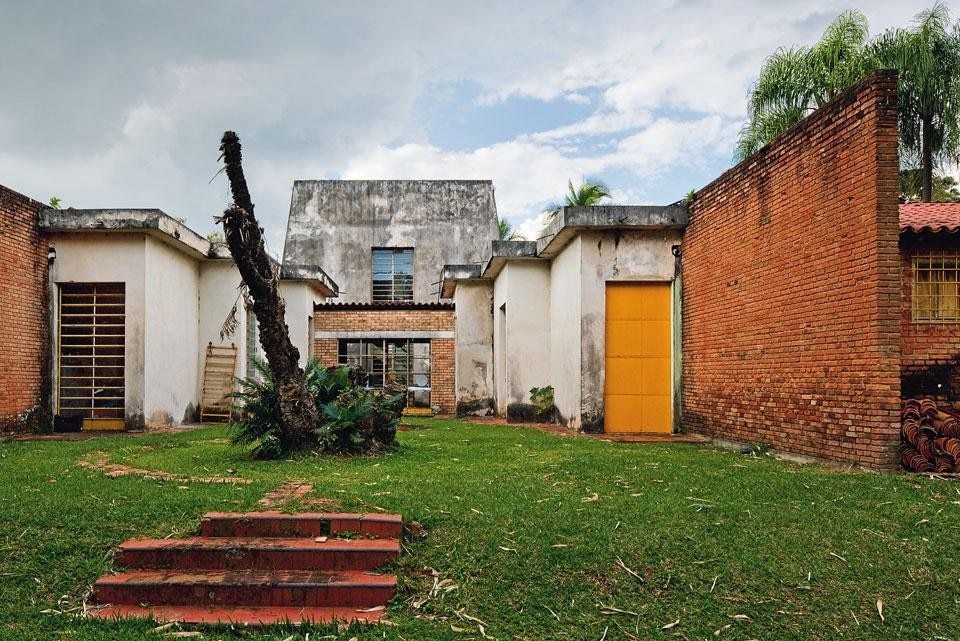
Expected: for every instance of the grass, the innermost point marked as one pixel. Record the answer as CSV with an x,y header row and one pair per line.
x,y
526,530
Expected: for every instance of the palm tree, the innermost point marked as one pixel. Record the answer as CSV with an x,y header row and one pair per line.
x,y
506,230
793,82
588,194
928,58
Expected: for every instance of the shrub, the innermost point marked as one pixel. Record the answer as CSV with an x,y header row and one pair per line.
x,y
352,419
542,398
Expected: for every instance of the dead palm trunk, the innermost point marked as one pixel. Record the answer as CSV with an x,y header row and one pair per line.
x,y
298,413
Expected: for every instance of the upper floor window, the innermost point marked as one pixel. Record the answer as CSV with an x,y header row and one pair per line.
x,y
392,274
936,295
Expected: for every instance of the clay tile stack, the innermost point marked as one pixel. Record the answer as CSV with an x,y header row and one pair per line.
x,y
929,437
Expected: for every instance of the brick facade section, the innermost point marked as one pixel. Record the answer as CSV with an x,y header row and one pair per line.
x,y
929,352
791,288
24,360
395,320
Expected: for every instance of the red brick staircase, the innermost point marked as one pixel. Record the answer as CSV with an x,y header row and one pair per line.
x,y
258,568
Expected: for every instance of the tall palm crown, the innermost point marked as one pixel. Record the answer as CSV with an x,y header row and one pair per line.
x,y
588,194
928,59
795,81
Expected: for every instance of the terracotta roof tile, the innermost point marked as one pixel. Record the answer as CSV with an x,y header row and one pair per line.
x,y
933,217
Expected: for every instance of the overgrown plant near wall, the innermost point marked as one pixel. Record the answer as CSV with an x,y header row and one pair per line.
x,y
351,418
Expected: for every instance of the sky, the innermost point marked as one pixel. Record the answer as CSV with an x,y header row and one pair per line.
x,y
122,104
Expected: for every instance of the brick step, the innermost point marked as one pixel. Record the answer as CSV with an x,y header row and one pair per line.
x,y
250,553
285,588
252,615
278,524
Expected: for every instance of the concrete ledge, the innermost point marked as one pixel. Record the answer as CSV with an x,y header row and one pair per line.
x,y
565,223
310,274
503,251
453,274
151,221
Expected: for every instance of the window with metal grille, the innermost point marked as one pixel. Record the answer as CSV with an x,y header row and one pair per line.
x,y
253,345
392,363
936,295
91,363
392,274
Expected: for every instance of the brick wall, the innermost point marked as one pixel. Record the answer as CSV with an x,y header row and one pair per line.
x,y
791,288
929,352
348,320
24,361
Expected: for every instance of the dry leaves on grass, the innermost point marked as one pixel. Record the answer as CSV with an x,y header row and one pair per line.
x,y
99,461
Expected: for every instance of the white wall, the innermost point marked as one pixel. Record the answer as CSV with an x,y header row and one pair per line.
x,y
299,298
172,335
523,350
565,332
107,258
219,292
474,345
613,256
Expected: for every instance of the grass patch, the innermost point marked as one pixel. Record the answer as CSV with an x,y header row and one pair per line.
x,y
528,527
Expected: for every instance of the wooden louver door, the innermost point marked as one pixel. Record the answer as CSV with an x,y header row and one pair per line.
x,y
91,354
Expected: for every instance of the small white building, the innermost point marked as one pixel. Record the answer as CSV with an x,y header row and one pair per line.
x,y
591,308
136,300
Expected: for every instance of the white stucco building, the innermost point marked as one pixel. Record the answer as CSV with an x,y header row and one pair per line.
x,y
136,298
591,309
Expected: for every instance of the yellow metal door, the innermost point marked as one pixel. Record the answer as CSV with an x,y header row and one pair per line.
x,y
638,381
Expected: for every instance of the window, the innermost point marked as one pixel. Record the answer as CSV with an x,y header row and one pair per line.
x,y
392,363
936,297
392,275
253,345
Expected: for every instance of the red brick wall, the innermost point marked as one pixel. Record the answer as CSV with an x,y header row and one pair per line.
x,y
929,352
791,288
24,366
396,320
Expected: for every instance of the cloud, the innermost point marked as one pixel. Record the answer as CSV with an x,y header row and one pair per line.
x,y
123,104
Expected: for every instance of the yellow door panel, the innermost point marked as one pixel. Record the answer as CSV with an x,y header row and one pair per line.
x,y
638,368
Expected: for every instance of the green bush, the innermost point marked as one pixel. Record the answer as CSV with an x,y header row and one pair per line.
x,y
352,419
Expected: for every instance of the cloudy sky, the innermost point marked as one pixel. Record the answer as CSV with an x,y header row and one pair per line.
x,y
122,104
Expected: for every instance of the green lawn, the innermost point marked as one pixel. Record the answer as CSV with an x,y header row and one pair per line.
x,y
524,531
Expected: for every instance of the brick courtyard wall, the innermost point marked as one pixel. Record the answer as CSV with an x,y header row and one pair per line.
x,y
791,288
929,352
24,361
396,321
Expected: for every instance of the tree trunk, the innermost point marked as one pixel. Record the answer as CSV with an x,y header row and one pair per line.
x,y
926,162
298,413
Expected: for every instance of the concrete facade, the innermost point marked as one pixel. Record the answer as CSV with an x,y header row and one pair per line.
x,y
339,222
178,291
546,324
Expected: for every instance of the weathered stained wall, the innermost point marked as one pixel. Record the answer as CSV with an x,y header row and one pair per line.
x,y
522,346
24,362
473,302
929,352
336,223
565,333
103,257
612,256
171,293
299,298
791,288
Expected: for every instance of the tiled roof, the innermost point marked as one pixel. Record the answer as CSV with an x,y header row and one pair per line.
x,y
933,217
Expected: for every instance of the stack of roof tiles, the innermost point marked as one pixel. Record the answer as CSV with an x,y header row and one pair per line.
x,y
929,437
